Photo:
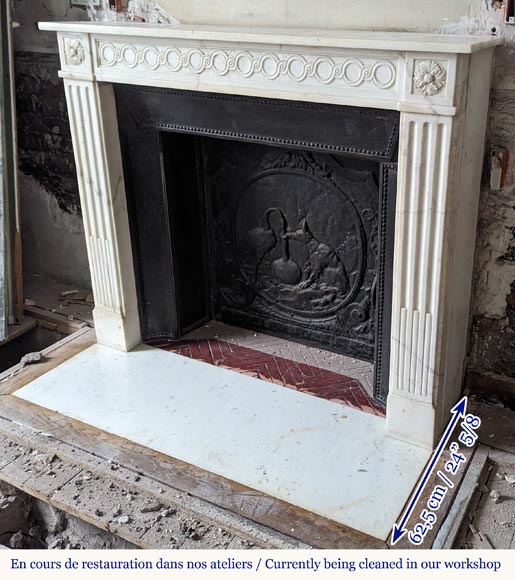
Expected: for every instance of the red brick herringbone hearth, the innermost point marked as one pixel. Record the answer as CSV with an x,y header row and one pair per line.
x,y
274,369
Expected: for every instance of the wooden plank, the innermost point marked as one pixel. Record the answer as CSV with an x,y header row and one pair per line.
x,y
17,330
476,500
96,475
484,385
17,376
254,505
98,495
496,425
61,322
454,520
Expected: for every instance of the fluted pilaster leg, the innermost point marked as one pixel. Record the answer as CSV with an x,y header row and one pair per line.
x,y
423,238
96,144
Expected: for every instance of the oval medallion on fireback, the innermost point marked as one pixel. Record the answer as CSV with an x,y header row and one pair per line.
x,y
299,237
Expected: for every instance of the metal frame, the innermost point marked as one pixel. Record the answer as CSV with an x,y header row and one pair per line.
x,y
10,242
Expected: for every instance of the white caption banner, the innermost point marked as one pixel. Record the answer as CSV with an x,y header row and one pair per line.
x,y
105,564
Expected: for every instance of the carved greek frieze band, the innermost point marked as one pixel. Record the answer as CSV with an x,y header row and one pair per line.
x,y
74,51
325,70
429,77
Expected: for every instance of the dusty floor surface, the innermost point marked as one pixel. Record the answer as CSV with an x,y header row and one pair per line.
x,y
130,510
127,508
491,525
490,520
29,523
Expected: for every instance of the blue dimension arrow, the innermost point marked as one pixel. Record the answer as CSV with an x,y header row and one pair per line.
x,y
457,411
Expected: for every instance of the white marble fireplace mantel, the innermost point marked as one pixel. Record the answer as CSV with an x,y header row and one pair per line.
x,y
439,83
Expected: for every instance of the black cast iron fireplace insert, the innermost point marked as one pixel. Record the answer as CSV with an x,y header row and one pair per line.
x,y
267,214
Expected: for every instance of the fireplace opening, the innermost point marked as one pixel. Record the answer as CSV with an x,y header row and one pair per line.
x,y
262,235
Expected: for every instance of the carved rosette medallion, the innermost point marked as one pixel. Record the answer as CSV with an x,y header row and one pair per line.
x,y
429,77
74,51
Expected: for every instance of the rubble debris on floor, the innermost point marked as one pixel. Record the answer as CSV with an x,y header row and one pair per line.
x,y
497,424
490,524
29,523
490,521
110,500
76,304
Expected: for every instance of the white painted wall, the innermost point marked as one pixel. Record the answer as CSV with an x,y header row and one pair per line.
x,y
379,14
448,16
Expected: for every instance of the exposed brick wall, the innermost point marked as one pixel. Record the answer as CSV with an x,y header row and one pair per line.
x,y
44,140
494,340
492,333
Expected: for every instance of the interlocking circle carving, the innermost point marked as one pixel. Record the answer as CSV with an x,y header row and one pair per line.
x,y
352,71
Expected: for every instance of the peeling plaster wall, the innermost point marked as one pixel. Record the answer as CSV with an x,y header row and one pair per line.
x,y
29,12
492,337
492,331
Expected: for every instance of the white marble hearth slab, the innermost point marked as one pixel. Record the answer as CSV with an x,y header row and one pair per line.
x,y
313,453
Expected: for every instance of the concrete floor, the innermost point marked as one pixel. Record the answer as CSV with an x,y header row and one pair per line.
x,y
490,524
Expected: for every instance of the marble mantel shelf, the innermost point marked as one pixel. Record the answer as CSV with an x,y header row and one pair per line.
x,y
362,39
409,72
